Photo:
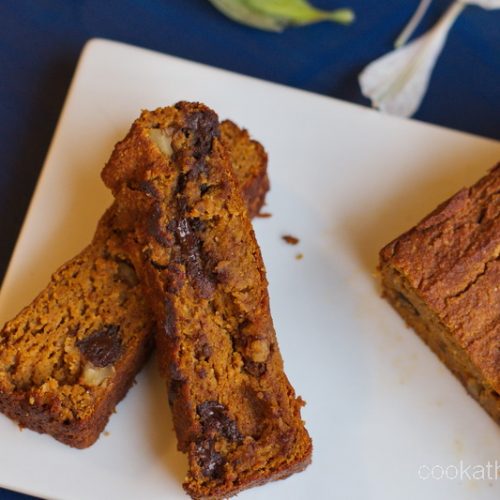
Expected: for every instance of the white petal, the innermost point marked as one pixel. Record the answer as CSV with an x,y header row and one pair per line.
x,y
396,83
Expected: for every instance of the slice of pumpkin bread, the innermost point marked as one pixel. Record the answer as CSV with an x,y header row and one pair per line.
x,y
190,238
68,358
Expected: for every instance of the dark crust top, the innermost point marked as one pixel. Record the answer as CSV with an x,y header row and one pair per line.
x,y
451,258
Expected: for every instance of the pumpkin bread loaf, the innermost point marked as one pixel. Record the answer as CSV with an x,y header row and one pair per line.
x,y
235,412
443,277
68,358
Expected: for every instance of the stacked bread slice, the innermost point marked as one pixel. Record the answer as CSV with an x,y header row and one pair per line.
x,y
174,262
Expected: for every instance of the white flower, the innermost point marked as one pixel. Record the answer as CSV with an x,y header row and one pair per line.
x,y
396,83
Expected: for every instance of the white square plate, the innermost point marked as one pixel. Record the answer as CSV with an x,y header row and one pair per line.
x,y
345,180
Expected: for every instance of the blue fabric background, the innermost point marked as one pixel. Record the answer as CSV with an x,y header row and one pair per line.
x,y
40,42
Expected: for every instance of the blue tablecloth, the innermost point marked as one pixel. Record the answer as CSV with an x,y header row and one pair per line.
x,y
40,42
